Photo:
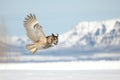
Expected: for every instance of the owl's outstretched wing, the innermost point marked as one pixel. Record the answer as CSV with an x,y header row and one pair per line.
x,y
34,29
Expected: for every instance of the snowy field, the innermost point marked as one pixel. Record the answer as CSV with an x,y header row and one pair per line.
x,y
79,70
59,75
78,65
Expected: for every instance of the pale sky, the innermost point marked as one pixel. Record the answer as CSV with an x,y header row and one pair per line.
x,y
56,16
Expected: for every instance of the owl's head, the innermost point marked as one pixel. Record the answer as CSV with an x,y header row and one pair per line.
x,y
54,39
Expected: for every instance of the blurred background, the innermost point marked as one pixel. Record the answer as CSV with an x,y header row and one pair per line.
x,y
89,30
89,40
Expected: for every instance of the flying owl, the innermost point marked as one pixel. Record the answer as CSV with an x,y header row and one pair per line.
x,y
36,34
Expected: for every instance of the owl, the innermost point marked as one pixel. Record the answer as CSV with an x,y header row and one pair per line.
x,y
36,34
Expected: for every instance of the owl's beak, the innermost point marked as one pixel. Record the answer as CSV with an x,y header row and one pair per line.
x,y
56,43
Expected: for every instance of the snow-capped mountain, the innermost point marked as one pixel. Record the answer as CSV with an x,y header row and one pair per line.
x,y
92,34
86,35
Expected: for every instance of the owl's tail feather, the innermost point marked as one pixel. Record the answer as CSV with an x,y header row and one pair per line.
x,y
32,47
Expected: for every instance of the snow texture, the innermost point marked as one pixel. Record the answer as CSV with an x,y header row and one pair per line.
x,y
80,65
60,75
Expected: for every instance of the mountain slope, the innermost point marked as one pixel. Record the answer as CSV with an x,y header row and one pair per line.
x,y
93,34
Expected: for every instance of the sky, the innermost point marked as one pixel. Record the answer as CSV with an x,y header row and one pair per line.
x,y
56,16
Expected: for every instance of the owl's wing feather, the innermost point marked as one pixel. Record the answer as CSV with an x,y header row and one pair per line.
x,y
34,29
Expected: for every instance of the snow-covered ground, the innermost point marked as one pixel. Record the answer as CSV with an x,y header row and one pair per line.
x,y
59,57
80,65
60,75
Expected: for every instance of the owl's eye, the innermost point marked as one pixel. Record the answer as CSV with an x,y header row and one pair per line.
x,y
55,38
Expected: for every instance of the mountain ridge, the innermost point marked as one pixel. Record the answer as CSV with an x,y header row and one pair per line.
x,y
93,34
